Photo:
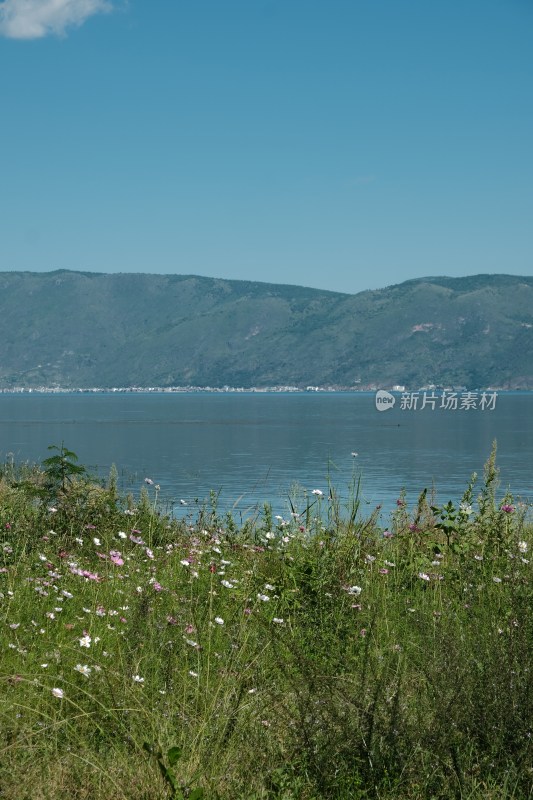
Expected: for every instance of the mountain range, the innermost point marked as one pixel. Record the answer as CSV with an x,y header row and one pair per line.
x,y
84,329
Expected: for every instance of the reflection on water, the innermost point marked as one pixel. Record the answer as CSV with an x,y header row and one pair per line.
x,y
257,446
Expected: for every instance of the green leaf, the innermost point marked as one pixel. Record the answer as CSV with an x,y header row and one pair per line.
x,y
174,755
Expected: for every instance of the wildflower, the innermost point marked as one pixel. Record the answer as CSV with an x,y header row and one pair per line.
x,y
227,584
269,587
58,692
270,535
264,597
97,541
185,562
85,641
353,590
191,642
183,502
362,632
507,508
424,576
219,620
369,559
387,534
383,571
478,558
149,553
522,546
496,579
278,621
317,492
116,557
149,481
138,679
157,587
193,674
136,539
122,535
84,669
466,509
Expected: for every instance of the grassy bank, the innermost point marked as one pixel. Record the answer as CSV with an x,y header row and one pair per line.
x,y
316,656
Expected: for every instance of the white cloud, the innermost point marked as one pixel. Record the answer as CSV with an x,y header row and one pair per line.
x,y
33,19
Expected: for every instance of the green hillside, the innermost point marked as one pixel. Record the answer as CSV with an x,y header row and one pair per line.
x,y
80,329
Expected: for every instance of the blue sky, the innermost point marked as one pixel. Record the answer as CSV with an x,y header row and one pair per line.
x,y
341,144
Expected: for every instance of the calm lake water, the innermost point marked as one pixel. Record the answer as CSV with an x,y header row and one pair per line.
x,y
254,447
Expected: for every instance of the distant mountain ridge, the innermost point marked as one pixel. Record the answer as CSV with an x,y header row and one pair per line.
x,y
83,329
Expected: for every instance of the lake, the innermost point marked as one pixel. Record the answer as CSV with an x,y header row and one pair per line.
x,y
258,447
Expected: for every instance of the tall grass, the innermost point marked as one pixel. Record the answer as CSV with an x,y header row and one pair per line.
x,y
317,656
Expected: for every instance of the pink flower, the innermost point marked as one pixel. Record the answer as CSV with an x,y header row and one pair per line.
x,y
507,508
116,557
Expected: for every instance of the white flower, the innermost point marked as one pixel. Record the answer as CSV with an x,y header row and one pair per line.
x,y
522,546
185,562
58,692
317,492
227,584
270,535
424,576
138,679
278,620
193,674
497,580
269,587
66,594
122,535
264,597
191,642
219,620
465,508
97,541
354,590
369,559
84,669
85,641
